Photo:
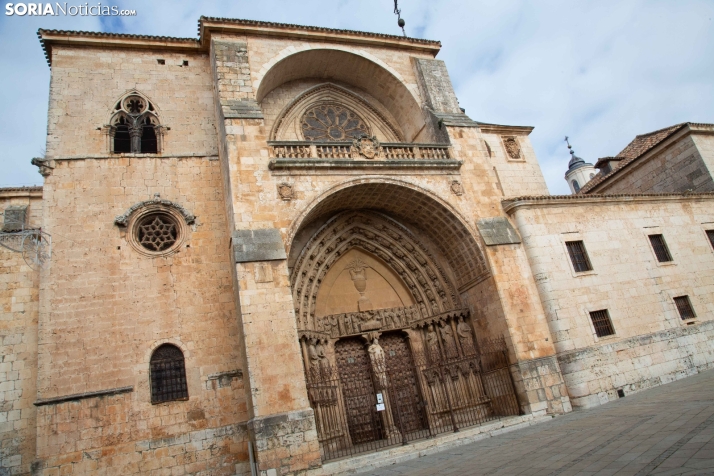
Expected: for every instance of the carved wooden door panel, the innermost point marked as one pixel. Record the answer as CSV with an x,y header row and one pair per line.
x,y
355,373
406,401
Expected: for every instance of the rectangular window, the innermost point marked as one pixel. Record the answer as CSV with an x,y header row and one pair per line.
x,y
710,235
684,306
602,323
578,255
660,248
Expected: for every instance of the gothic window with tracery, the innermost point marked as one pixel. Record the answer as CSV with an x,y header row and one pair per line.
x,y
135,126
332,123
168,375
157,232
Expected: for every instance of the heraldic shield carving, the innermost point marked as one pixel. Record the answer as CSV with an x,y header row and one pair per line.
x,y
367,147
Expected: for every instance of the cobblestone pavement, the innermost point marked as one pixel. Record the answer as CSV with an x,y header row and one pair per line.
x,y
668,430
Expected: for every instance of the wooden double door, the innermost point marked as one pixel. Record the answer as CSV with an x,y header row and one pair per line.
x,y
357,382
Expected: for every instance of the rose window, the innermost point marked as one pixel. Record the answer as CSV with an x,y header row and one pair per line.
x,y
332,123
157,232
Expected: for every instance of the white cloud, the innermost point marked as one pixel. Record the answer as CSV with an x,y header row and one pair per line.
x,y
600,72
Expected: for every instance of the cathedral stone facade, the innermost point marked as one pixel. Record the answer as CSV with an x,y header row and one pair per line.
x,y
278,246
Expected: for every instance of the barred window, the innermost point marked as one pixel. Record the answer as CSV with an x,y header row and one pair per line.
x,y
168,375
660,248
602,323
710,235
684,306
578,255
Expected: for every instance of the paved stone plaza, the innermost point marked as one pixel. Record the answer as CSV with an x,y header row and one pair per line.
x,y
668,430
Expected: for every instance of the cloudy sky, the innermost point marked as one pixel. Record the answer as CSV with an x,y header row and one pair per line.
x,y
598,71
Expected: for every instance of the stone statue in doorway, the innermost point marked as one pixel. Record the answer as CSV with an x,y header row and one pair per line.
x,y
466,338
379,363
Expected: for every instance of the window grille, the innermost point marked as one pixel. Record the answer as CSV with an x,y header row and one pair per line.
x,y
660,248
578,255
168,375
710,235
684,306
602,323
576,186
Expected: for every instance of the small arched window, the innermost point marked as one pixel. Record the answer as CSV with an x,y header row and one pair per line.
x,y
168,375
576,186
135,126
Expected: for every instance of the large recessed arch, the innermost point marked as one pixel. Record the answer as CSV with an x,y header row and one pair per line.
x,y
353,69
408,203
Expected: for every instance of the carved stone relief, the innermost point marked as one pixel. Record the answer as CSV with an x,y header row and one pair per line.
x,y
513,149
366,147
456,188
377,234
286,192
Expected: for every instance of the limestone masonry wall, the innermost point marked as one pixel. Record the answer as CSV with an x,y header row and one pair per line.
x,y
87,83
627,280
19,304
105,307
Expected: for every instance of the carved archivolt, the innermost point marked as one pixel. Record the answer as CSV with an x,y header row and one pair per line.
x,y
296,120
384,238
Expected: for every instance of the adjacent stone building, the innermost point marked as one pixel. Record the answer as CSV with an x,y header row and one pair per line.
x,y
277,246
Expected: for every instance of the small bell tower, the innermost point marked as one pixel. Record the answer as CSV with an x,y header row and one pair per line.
x,y
579,172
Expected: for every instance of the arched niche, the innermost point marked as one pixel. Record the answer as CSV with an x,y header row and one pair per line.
x,y
350,68
287,125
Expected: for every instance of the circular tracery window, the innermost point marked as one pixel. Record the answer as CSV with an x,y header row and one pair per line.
x,y
157,232
332,123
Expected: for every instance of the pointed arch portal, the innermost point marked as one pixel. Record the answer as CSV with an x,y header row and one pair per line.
x,y
389,350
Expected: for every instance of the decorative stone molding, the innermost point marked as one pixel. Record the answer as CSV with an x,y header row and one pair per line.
x,y
123,220
456,188
286,191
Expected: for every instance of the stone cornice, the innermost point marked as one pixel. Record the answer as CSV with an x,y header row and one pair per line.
x,y
49,38
510,205
504,129
14,192
209,25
